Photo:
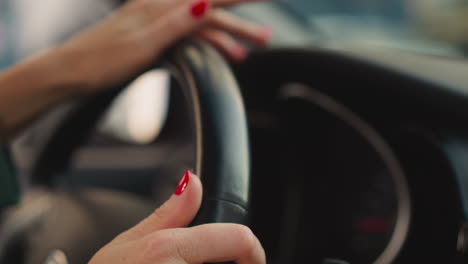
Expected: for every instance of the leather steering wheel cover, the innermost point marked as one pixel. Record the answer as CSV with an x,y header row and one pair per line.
x,y
222,160
220,132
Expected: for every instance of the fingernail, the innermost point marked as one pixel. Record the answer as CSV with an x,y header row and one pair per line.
x,y
183,183
199,8
240,52
266,33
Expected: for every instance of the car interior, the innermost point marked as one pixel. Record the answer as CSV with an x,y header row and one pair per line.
x,y
331,150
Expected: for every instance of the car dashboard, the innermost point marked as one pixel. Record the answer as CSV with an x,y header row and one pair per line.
x,y
378,136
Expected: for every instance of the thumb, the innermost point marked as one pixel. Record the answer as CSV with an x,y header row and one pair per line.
x,y
176,212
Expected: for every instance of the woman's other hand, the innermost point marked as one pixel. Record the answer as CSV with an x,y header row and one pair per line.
x,y
162,239
135,35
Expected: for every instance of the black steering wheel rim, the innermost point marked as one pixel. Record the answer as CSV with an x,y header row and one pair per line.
x,y
222,147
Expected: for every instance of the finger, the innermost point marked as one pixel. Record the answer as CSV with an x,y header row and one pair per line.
x,y
241,28
145,11
207,244
178,211
226,44
190,15
151,9
181,21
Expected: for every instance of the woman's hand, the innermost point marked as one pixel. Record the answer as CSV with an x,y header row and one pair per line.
x,y
136,34
161,238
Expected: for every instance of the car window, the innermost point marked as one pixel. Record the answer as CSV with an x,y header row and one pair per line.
x,y
430,26
6,35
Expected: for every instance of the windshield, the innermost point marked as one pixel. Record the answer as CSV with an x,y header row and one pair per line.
x,y
438,27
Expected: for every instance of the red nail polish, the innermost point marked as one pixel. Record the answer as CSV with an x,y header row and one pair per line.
x,y
199,8
183,183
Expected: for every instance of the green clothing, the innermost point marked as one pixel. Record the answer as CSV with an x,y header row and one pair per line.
x,y
9,189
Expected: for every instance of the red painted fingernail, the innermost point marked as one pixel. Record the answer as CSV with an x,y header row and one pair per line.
x,y
183,183
199,8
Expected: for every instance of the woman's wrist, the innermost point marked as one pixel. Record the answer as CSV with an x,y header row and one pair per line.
x,y
59,77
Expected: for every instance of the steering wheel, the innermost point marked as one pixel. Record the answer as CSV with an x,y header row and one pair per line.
x,y
222,155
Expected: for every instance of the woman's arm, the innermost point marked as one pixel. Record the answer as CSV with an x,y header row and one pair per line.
x,y
31,87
